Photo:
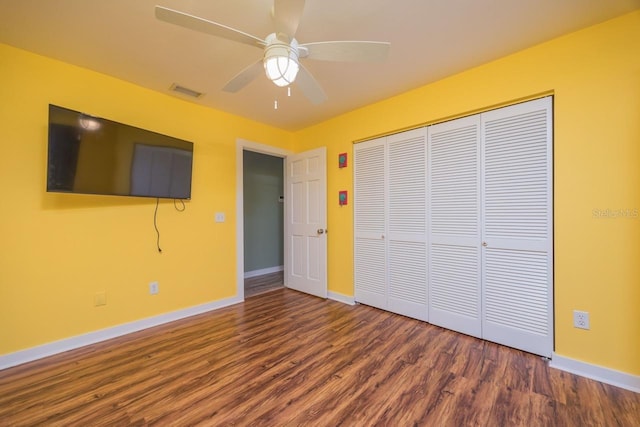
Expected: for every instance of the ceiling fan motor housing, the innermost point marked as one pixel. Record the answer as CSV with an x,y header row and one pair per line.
x,y
281,60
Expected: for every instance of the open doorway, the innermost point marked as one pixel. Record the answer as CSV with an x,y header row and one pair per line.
x,y
255,267
263,213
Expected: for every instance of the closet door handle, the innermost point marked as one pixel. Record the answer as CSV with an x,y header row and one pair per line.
x,y
484,244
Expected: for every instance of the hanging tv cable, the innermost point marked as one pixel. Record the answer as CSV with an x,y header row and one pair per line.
x,y
155,225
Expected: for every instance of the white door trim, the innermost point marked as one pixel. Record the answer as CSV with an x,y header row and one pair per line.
x,y
242,145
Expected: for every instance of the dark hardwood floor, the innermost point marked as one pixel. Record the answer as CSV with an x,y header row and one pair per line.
x,y
284,358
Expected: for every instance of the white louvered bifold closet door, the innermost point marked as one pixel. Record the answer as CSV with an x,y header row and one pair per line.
x,y
407,224
370,260
517,235
454,225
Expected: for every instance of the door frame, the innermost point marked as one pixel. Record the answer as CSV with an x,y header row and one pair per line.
x,y
241,146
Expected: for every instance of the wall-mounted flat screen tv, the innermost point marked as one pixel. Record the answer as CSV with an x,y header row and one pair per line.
x,y
91,155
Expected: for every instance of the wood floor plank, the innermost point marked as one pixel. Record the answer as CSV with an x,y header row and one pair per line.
x,y
286,358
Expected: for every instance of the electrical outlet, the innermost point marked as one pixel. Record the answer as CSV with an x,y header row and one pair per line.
x,y
219,216
580,319
153,288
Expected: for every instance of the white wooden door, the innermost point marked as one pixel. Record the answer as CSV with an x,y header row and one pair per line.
x,y
517,233
369,198
407,223
454,225
306,222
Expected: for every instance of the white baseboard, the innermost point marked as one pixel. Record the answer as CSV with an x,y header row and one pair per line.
x,y
49,349
595,372
263,271
346,299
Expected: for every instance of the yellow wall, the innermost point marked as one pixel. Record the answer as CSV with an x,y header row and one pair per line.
x,y
110,243
595,77
58,250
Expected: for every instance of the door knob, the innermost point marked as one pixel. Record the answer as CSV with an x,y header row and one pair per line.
x,y
484,243
320,231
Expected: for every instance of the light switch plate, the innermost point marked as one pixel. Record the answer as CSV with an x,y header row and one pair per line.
x,y
100,298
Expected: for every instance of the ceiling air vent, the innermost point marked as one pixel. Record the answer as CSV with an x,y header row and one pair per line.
x,y
186,91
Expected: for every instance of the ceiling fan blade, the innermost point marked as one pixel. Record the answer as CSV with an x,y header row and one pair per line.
x,y
244,77
346,51
310,87
286,16
205,26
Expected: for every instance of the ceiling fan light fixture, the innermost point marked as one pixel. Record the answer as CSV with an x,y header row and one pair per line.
x,y
281,61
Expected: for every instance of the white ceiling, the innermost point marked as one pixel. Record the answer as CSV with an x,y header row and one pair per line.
x,y
430,39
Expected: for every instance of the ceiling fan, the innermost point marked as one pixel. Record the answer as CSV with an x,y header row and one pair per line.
x,y
282,52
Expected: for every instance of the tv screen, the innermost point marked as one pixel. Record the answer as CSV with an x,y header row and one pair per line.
x,y
91,155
